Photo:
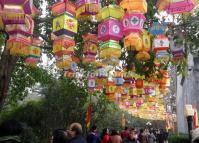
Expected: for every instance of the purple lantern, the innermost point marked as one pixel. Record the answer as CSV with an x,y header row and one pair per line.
x,y
133,22
110,29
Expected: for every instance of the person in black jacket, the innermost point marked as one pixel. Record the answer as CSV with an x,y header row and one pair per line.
x,y
60,136
76,133
132,138
92,136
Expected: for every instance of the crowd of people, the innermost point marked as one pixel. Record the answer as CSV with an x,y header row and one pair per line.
x,y
10,133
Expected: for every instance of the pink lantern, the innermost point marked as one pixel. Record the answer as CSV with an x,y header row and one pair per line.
x,y
24,29
16,4
179,6
110,29
82,2
91,81
133,22
178,53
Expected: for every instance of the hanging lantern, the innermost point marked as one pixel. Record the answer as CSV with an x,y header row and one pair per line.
x,y
90,47
18,45
110,29
118,78
13,12
102,75
91,82
143,56
110,49
134,5
110,88
62,43
127,79
113,11
179,6
24,29
133,42
162,4
178,53
62,7
33,57
139,83
65,24
158,28
87,7
162,56
133,22
146,39
161,43
34,52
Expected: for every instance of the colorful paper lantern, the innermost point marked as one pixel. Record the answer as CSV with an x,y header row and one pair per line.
x,y
118,78
65,24
111,11
110,88
133,22
62,7
179,6
110,29
178,53
158,28
87,7
139,83
146,41
91,81
110,49
24,29
133,42
18,45
33,57
161,43
62,43
143,56
90,47
134,5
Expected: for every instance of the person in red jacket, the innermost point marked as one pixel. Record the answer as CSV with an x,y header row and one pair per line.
x,y
105,138
125,133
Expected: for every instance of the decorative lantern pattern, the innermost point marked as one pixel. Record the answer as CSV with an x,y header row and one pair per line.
x,y
110,29
133,22
110,32
64,29
90,47
62,7
179,6
65,24
24,29
110,49
161,43
158,28
134,5
119,81
133,42
91,81
87,7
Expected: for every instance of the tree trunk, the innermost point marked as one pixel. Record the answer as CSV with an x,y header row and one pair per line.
x,y
7,64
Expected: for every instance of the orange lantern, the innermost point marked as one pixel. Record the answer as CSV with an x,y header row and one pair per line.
x,y
133,42
110,88
134,5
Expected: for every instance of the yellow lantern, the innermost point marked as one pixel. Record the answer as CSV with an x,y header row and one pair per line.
x,y
134,5
113,11
143,56
65,24
110,88
133,42
110,49
162,4
146,41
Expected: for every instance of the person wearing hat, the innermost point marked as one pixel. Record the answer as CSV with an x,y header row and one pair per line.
x,y
76,132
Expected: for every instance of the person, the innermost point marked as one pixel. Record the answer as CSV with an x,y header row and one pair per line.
x,y
132,138
105,138
159,136
125,133
115,137
10,131
152,137
75,132
92,136
60,136
143,137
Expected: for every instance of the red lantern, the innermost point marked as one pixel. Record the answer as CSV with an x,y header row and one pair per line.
x,y
139,83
